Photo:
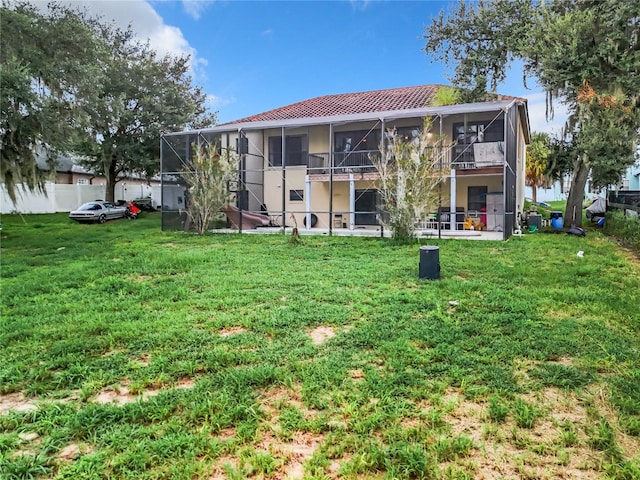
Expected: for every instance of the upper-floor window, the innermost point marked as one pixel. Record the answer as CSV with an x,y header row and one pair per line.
x,y
407,134
296,150
465,136
482,131
359,140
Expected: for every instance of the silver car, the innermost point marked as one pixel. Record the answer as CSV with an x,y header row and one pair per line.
x,y
97,211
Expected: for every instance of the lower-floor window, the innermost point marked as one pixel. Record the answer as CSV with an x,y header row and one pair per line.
x,y
367,207
296,195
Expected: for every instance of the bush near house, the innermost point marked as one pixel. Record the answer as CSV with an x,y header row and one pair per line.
x,y
624,227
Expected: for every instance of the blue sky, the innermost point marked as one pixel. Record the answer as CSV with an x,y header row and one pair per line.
x,y
253,56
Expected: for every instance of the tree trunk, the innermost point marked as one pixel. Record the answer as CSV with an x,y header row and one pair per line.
x,y
110,174
576,195
534,194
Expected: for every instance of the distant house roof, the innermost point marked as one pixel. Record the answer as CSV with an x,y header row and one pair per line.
x,y
62,163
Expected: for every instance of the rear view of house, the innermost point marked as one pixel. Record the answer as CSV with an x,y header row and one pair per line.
x,y
315,160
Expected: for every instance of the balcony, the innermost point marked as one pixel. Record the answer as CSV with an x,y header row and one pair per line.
x,y
479,155
358,161
485,157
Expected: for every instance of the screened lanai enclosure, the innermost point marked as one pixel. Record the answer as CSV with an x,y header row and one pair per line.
x,y
321,173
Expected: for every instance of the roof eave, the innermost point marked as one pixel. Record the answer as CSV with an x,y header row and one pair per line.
x,y
358,117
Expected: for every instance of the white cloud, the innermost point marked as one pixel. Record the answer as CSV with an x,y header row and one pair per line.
x,y
195,7
359,5
215,102
146,23
538,118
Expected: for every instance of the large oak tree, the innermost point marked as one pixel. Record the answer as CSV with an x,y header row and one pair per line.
x,y
76,84
585,53
138,96
44,61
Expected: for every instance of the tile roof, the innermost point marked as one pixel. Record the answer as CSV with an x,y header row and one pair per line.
x,y
350,103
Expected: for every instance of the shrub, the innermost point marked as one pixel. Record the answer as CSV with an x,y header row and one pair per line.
x,y
623,227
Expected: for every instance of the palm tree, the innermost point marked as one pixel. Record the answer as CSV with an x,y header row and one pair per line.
x,y
536,168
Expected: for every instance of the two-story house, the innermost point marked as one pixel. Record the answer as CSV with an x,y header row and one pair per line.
x,y
314,159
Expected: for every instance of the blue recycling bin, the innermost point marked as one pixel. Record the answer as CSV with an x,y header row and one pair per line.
x,y
556,220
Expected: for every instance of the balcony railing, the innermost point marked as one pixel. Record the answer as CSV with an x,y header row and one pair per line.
x,y
478,155
343,162
457,157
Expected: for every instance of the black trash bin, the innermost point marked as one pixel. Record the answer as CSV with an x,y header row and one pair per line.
x,y
429,268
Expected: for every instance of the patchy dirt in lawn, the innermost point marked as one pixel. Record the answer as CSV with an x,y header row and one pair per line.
x,y
273,400
503,450
122,395
630,445
227,332
320,335
225,434
70,452
139,278
219,469
289,457
565,361
556,447
16,402
115,351
298,451
289,454
143,360
28,436
185,383
357,375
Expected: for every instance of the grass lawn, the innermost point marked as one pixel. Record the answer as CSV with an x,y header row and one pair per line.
x,y
128,352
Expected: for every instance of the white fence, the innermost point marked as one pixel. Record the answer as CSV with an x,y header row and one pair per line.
x,y
64,198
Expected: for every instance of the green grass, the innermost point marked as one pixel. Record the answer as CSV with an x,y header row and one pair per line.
x,y
211,338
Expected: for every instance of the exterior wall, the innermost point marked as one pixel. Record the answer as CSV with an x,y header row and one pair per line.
x,y
63,178
632,177
266,183
493,184
547,194
319,142
76,178
319,139
294,180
